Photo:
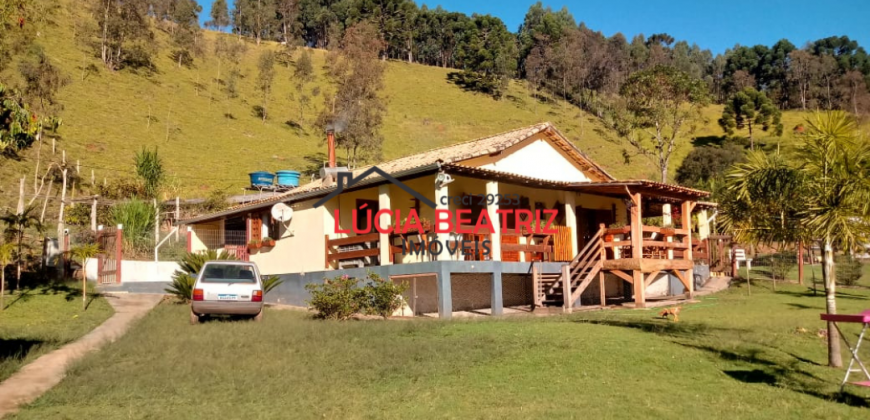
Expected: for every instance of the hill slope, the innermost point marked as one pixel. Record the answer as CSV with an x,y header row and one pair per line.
x,y
209,141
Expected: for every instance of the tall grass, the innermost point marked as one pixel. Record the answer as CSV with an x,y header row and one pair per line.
x,y
137,218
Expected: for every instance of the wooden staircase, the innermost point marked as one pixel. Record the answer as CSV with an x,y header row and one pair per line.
x,y
576,276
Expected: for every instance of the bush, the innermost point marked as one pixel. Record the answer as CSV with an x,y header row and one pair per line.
x,y
339,298
781,263
190,264
383,297
847,270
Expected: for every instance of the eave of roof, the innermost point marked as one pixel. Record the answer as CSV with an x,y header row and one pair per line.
x,y
658,190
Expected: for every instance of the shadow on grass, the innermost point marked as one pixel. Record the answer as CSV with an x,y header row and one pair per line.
x,y
659,326
781,375
17,349
821,293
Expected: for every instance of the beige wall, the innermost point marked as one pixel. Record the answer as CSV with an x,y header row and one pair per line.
x,y
534,157
206,235
299,245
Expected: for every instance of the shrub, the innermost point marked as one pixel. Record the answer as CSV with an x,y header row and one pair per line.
x,y
339,298
848,270
383,297
190,264
781,263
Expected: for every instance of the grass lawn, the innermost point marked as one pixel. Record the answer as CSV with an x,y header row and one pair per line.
x,y
39,320
730,356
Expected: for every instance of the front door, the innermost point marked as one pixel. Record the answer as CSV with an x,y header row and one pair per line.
x,y
588,223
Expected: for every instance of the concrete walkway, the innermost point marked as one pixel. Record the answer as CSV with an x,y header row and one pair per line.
x,y
42,374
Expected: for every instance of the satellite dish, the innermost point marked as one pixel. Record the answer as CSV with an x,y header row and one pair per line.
x,y
282,212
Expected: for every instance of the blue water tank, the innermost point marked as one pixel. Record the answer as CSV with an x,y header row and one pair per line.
x,y
288,178
261,179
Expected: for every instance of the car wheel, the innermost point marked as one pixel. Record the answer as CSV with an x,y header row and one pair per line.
x,y
194,318
258,317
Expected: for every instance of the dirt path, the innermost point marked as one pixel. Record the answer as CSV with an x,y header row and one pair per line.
x,y
39,376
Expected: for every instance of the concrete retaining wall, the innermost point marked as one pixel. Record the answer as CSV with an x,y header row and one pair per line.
x,y
138,271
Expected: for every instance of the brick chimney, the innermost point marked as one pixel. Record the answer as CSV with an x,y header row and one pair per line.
x,y
330,142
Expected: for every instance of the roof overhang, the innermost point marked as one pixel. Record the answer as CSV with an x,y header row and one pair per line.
x,y
648,189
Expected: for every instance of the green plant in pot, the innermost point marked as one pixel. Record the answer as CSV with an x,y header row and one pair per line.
x,y
254,244
268,242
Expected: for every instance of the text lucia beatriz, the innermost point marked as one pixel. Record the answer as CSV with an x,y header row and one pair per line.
x,y
446,221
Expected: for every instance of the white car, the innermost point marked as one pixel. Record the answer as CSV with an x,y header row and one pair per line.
x,y
227,288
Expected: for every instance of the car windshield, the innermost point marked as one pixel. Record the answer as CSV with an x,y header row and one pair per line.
x,y
229,274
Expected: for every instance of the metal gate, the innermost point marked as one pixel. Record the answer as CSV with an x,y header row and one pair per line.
x,y
109,259
238,251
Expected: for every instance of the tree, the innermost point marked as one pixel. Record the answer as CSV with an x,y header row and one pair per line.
x,y
288,15
255,18
356,109
265,77
303,74
750,109
17,225
802,74
488,53
185,36
824,197
220,15
18,125
706,164
42,80
124,32
149,167
6,252
82,253
658,110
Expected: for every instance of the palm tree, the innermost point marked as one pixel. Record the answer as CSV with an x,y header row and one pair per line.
x,y
17,225
5,258
824,197
81,253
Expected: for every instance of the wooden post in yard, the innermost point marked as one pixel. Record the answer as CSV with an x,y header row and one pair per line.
x,y
566,287
189,239
119,252
536,286
94,214
800,261
177,215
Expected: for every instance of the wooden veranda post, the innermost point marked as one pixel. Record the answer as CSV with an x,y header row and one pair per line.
x,y
637,249
687,208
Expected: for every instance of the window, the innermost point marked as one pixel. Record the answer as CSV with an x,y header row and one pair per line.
x,y
228,273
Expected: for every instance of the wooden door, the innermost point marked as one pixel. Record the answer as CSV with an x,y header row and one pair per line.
x,y
588,223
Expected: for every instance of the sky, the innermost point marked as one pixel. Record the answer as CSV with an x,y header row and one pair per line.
x,y
713,25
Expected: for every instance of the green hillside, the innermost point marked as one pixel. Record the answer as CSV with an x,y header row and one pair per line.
x,y
208,141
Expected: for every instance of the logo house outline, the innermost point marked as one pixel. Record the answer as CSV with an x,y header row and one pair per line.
x,y
345,180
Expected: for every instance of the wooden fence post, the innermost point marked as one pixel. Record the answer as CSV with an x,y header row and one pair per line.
x,y
119,253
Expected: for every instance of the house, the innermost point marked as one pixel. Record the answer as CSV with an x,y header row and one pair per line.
x,y
561,230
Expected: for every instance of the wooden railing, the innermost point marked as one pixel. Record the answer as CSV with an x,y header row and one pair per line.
x,y
657,243
334,254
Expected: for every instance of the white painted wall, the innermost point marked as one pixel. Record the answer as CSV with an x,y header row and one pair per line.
x,y
299,244
538,159
138,271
